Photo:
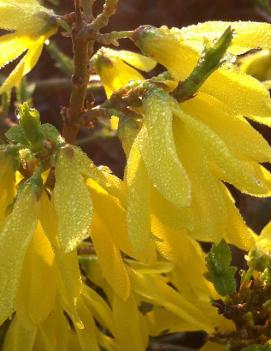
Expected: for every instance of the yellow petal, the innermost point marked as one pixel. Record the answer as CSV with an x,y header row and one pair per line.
x,y
72,201
156,291
38,281
19,338
138,207
114,73
159,152
127,322
178,247
107,342
160,321
162,211
237,232
244,94
208,203
87,336
112,266
237,133
24,66
247,34
113,215
69,278
138,61
158,42
15,237
99,308
12,46
101,175
22,16
225,164
264,240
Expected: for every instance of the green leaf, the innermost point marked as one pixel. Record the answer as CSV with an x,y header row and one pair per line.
x,y
220,273
211,59
17,136
51,133
30,122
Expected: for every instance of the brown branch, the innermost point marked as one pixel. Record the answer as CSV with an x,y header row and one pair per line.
x,y
82,49
102,20
87,6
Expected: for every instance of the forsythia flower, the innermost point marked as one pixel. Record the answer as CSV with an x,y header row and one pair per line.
x,y
190,148
114,67
31,25
89,202
41,284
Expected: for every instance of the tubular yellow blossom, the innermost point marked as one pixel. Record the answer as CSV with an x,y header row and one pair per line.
x,y
242,93
32,25
118,68
113,67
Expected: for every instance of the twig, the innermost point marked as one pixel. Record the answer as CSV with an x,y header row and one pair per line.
x,y
102,20
87,6
82,49
113,37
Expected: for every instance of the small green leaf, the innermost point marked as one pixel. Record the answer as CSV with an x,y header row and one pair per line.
x,y
51,133
16,135
30,122
220,273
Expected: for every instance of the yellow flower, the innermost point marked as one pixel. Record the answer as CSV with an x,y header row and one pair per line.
x,y
243,94
89,201
190,149
117,68
114,68
176,167
39,283
31,25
